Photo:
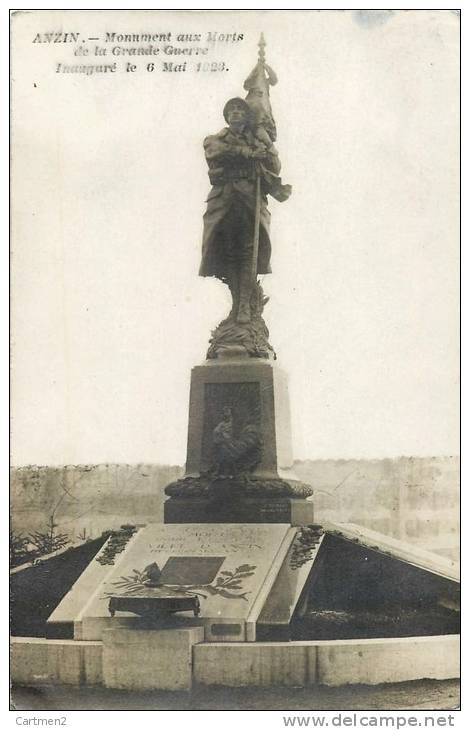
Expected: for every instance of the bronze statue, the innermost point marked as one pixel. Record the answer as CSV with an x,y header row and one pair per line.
x,y
244,168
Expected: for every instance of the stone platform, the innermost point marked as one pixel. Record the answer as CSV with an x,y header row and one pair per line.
x,y
261,588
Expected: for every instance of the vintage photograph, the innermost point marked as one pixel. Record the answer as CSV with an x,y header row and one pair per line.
x,y
235,360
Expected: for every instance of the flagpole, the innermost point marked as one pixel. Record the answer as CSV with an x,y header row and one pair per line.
x,y
254,262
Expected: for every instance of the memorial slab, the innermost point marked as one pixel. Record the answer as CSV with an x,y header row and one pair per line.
x,y
230,568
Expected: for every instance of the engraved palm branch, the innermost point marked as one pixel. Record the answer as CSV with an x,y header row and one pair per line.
x,y
227,585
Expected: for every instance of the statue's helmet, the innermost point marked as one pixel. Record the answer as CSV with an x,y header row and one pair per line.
x,y
236,101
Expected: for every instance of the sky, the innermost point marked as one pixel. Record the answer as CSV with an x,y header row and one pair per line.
x,y
109,187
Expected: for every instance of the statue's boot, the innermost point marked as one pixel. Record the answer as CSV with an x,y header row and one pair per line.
x,y
244,309
258,299
244,313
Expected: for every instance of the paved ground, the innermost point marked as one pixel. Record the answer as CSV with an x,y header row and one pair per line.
x,y
422,695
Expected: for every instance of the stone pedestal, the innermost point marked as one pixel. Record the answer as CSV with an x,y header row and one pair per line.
x,y
256,392
239,465
143,660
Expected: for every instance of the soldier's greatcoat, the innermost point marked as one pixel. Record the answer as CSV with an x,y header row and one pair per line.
x,y
232,202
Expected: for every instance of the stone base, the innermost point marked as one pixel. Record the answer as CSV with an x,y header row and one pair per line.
x,y
248,510
36,661
331,663
143,660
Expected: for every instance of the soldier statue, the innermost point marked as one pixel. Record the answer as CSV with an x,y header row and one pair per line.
x,y
244,168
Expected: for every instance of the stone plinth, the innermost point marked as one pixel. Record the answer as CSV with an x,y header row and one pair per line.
x,y
143,660
239,456
256,392
239,510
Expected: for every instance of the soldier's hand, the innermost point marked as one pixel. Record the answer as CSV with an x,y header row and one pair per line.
x,y
251,154
258,154
244,151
